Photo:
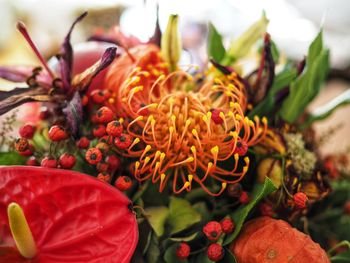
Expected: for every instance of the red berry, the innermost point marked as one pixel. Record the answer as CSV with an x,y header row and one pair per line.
x,y
27,131
67,161
330,166
212,230
32,161
83,143
215,116
244,198
300,200
114,128
347,208
215,252
49,162
44,113
28,151
102,167
57,133
105,177
98,96
104,115
241,147
266,210
183,251
227,225
99,131
123,183
114,162
123,142
21,144
84,100
93,156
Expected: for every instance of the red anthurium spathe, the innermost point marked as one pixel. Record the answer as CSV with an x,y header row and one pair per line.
x,y
72,217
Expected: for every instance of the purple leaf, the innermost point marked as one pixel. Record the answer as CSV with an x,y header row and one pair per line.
x,y
157,35
82,81
29,94
66,58
226,70
16,73
74,114
101,38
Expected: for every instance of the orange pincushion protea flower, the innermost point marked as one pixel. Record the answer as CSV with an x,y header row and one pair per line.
x,y
170,118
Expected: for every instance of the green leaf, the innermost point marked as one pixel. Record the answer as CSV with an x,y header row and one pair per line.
x,y
170,255
239,216
184,239
153,252
181,215
341,258
282,80
156,217
275,52
242,45
305,88
202,209
216,48
11,158
326,110
202,258
228,258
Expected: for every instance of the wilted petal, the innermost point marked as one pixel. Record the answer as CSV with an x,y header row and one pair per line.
x,y
15,100
16,73
74,113
83,80
66,59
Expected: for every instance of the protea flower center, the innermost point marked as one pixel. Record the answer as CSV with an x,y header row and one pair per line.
x,y
184,127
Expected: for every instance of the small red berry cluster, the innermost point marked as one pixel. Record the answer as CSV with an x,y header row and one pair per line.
x,y
25,147
214,230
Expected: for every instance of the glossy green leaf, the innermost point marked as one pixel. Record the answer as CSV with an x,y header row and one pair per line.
x,y
239,216
282,80
156,217
242,45
202,258
341,258
184,239
216,48
228,258
305,88
326,110
181,215
11,158
153,252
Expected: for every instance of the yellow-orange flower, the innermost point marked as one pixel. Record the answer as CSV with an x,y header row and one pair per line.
x,y
184,127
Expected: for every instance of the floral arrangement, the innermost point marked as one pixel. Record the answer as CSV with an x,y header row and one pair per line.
x,y
215,164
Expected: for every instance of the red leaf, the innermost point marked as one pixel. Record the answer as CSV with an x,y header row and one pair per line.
x,y
73,217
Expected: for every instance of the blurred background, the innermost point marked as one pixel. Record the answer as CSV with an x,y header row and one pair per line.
x,y
293,25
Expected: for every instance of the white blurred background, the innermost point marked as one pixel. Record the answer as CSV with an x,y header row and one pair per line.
x,y
293,23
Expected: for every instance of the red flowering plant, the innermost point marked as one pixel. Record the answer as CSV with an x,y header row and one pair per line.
x,y
197,151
